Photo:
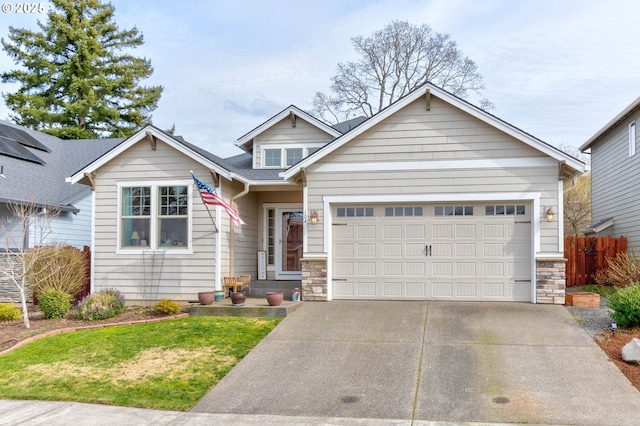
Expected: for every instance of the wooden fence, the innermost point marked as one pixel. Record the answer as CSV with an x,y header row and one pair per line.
x,y
586,255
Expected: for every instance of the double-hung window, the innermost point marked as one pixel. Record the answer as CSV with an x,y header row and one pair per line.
x,y
154,216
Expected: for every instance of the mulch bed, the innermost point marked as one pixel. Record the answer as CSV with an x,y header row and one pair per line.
x,y
612,345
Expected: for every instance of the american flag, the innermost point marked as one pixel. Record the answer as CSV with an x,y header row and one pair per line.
x,y
210,197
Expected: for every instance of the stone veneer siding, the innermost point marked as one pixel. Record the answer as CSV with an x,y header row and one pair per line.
x,y
550,281
314,279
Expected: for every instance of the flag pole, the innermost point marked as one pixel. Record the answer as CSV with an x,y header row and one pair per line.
x,y
207,207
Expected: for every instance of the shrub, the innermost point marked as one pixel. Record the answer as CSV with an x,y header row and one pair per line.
x,y
102,305
623,271
626,306
54,303
8,312
166,306
61,268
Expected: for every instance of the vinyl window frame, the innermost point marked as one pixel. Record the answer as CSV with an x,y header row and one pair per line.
x,y
155,218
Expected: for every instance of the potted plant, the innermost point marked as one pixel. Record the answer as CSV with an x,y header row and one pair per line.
x,y
274,298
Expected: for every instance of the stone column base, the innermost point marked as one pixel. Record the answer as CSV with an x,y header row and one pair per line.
x,y
314,279
550,280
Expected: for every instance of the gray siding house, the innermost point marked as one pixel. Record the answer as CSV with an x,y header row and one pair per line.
x,y
430,199
33,168
615,167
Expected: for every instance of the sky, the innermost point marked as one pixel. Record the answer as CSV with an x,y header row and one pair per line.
x,y
557,69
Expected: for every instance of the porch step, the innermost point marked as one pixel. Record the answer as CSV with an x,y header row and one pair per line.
x,y
259,288
253,307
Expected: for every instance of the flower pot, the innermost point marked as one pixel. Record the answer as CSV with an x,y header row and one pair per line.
x,y
238,298
219,295
274,298
206,297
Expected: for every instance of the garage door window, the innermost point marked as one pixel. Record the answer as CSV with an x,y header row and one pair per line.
x,y
505,210
355,212
453,211
402,211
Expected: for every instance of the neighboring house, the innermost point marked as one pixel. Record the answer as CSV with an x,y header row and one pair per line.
x,y
615,164
33,168
432,198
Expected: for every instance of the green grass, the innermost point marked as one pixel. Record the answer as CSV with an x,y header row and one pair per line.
x,y
166,365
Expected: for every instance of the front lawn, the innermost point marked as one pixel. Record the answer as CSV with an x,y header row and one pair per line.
x,y
165,365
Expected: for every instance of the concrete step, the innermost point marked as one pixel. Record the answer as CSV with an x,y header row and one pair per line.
x,y
253,307
259,288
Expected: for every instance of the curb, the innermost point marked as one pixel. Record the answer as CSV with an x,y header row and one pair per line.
x,y
88,327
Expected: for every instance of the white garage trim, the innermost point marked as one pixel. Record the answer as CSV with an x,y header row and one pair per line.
x,y
533,197
498,163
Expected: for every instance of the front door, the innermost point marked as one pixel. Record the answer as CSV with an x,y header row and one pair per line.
x,y
289,251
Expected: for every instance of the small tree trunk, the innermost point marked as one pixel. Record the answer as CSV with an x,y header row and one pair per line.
x,y
25,313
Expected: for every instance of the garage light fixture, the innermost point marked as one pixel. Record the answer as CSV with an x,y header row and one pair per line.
x,y
550,213
312,217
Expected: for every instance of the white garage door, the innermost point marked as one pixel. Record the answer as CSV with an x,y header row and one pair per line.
x,y
432,251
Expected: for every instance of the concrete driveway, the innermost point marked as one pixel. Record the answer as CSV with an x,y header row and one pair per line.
x,y
432,362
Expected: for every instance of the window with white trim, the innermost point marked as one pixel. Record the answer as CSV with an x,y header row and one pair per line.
x,y
282,157
632,139
273,158
293,156
154,216
501,210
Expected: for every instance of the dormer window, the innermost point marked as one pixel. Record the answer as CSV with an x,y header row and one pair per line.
x,y
273,158
294,155
283,157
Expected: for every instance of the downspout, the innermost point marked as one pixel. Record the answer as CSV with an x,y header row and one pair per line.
x,y
232,239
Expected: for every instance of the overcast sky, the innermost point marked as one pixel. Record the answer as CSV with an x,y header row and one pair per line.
x,y
558,69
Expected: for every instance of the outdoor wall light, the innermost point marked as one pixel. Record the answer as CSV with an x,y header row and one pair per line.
x,y
313,218
550,213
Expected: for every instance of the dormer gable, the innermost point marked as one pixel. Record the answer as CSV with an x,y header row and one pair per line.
x,y
286,138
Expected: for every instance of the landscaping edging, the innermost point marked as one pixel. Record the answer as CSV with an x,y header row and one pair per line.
x,y
88,327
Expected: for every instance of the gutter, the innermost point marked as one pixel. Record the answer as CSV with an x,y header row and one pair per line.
x,y
232,239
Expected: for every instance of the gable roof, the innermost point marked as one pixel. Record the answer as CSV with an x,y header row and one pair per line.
x,y
43,182
246,142
428,88
633,107
238,167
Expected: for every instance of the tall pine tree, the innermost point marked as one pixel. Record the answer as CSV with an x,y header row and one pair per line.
x,y
77,78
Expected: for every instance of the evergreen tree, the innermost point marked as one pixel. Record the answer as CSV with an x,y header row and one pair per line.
x,y
77,79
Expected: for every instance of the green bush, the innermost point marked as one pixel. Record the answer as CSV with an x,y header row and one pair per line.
x,y
62,268
8,312
166,306
101,305
54,303
626,306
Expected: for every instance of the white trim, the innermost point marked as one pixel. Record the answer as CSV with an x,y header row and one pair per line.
x,y
560,216
153,220
632,138
456,102
305,210
138,137
497,163
217,285
92,276
244,140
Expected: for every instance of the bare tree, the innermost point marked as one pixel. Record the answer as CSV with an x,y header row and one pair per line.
x,y
19,259
394,61
577,206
